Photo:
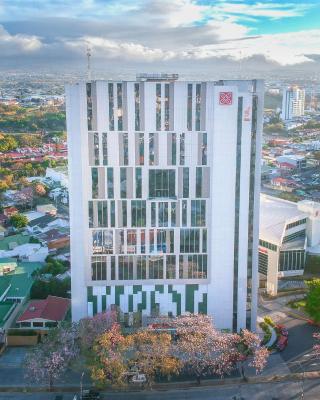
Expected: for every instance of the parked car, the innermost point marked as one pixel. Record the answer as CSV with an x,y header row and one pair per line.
x,y
282,330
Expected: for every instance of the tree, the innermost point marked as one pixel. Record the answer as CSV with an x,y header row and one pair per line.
x,y
41,289
7,143
152,354
200,347
109,358
40,189
50,358
19,220
313,299
316,347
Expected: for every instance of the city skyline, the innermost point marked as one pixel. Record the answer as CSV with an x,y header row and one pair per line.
x,y
180,34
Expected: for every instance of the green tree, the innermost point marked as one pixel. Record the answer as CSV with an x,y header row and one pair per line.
x,y
313,299
19,220
7,143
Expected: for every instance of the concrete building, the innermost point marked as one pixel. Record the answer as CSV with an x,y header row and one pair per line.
x,y
293,103
164,197
288,231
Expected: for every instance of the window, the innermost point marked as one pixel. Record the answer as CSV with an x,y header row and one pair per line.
x,y
163,214
198,182
182,149
198,212
90,211
193,266
99,268
132,241
153,214
138,183
141,149
123,214
105,148
113,268
296,223
156,267
158,106
152,148
93,148
184,204
171,267
294,236
120,106
204,149
161,183
189,108
267,245
98,214
124,149
112,213
111,107
166,106
110,183
94,180
125,268
198,106
173,214
292,260
89,105
204,240
123,183
185,182
137,106
189,241
143,241
102,241
138,213
173,148
165,241
263,263
141,267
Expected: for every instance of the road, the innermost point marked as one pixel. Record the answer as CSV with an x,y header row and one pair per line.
x,y
266,391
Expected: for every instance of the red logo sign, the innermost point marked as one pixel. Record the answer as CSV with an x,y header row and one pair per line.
x,y
225,98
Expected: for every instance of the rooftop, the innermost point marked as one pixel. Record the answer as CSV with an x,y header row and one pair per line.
x,y
5,310
275,213
17,239
53,308
20,285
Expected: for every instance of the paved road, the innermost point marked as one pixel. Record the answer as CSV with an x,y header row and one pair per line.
x,y
270,391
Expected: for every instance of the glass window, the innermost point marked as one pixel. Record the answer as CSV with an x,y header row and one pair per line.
x,y
163,214
198,212
151,149
166,106
155,267
198,182
110,183
173,214
125,268
120,106
193,266
111,107
173,148
125,148
153,214
189,108
204,149
141,149
131,241
137,106
89,106
124,213
102,241
171,267
102,208
112,213
143,241
138,183
185,182
204,240
105,148
189,241
113,268
161,183
182,149
141,267
184,212
138,213
99,268
95,181
198,106
123,183
90,214
158,106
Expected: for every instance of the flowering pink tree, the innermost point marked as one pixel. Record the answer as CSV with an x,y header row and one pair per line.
x,y
89,329
50,358
316,347
203,350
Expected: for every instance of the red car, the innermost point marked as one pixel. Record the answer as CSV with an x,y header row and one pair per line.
x,y
283,330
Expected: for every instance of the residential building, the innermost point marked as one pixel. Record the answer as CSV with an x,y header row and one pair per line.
x,y
164,193
288,231
293,103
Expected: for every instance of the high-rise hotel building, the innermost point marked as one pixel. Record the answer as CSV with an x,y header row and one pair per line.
x,y
164,197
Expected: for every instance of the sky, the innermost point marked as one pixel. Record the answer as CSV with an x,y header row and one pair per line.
x,y
166,35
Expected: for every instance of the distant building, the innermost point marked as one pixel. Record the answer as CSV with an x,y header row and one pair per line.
x,y
287,231
59,175
291,161
293,103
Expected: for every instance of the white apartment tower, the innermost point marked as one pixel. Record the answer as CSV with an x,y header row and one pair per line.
x,y
164,197
293,101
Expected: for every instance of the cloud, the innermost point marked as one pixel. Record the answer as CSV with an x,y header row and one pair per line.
x,y
19,43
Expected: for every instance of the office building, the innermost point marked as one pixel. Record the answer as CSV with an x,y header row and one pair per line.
x,y
164,197
293,103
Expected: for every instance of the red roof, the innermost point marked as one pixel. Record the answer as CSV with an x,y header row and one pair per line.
x,y
53,308
286,165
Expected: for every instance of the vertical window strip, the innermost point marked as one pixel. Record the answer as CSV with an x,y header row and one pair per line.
x,y
158,106
198,107
166,106
120,106
189,108
137,106
111,106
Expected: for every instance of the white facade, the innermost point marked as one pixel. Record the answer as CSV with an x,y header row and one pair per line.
x,y
293,101
164,197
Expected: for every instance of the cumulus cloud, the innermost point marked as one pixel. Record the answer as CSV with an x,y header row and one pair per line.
x,y
19,43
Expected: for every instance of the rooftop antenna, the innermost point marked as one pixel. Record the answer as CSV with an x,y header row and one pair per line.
x,y
89,62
